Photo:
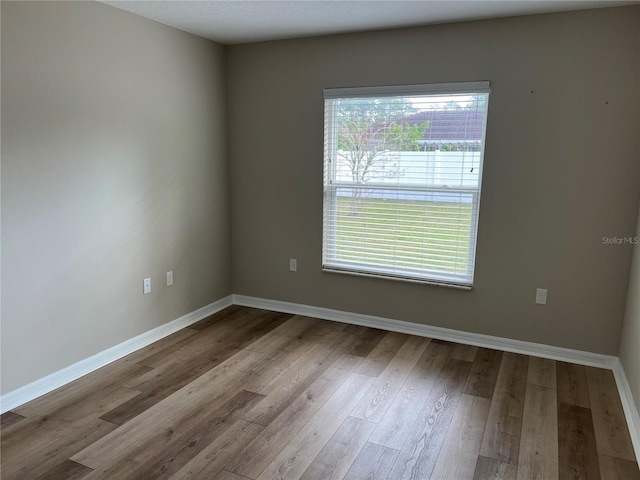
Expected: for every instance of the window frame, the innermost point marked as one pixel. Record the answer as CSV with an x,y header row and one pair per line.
x,y
331,186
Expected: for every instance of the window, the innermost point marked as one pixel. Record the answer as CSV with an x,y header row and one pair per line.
x,y
402,177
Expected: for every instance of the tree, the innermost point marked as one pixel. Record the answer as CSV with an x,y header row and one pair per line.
x,y
451,105
369,129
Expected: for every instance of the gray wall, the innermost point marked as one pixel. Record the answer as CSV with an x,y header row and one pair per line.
x,y
630,340
113,169
561,170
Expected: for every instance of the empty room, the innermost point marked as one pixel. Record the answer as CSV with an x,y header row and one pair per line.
x,y
255,240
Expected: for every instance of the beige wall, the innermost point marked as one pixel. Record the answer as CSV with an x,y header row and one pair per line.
x,y
561,170
113,169
630,340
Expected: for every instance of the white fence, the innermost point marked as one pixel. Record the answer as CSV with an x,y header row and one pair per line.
x,y
437,169
422,176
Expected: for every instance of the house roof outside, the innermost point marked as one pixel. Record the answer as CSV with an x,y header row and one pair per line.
x,y
449,126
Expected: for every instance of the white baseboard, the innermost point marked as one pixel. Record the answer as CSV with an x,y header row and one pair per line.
x,y
505,344
477,339
630,410
57,379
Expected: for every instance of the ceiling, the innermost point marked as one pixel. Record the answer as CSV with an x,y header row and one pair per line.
x,y
242,21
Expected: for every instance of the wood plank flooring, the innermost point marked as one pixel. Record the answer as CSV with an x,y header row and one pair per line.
x,y
249,394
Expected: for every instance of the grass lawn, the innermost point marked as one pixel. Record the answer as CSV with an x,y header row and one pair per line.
x,y
415,233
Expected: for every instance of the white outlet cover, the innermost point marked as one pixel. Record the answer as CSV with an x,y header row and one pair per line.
x,y
293,265
541,296
146,286
169,278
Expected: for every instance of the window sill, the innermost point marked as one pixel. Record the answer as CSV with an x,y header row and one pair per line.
x,y
398,278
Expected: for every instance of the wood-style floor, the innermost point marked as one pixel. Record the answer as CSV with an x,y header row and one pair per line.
x,y
253,394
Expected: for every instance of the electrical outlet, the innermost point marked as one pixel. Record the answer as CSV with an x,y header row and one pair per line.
x,y
541,296
169,278
146,286
293,265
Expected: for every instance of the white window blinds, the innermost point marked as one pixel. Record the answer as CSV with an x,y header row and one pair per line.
x,y
402,177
